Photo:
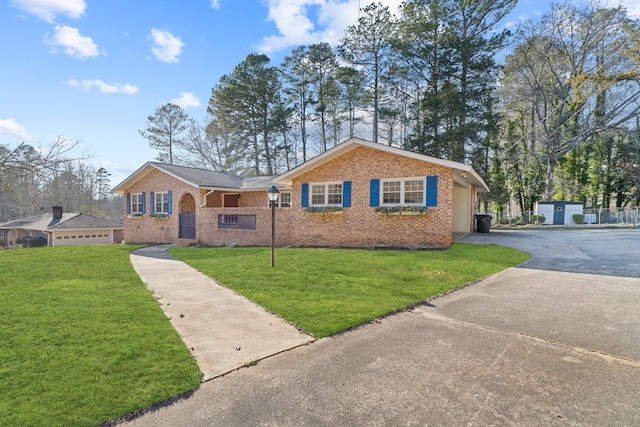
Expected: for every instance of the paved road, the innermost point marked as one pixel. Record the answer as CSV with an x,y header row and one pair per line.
x,y
552,342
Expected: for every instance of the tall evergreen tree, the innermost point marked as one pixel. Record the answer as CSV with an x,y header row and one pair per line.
x,y
367,47
296,70
351,83
448,47
425,45
324,66
474,26
164,130
244,104
102,185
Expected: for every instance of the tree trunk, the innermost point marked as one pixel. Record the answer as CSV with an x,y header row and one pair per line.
x,y
376,96
303,127
551,167
256,154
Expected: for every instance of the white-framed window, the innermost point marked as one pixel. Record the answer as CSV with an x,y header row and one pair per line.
x,y
136,203
403,192
284,200
161,203
326,194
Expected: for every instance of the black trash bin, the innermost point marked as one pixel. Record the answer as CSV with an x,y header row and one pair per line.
x,y
483,223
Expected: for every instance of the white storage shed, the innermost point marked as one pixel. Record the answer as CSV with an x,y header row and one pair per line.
x,y
558,212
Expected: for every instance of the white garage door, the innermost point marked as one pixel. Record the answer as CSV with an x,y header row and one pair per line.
x,y
82,238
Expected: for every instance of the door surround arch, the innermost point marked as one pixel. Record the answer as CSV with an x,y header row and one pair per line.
x,y
187,217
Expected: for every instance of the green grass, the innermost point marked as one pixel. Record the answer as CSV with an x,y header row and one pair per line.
x,y
324,291
82,340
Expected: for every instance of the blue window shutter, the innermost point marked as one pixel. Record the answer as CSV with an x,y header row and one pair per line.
x,y
152,203
432,191
128,202
305,195
346,194
144,202
374,192
169,197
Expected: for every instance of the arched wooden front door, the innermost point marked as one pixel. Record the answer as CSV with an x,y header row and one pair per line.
x,y
187,229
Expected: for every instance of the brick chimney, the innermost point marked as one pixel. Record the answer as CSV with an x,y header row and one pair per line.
x,y
57,212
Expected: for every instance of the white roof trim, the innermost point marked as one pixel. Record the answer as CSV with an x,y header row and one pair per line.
x,y
352,143
244,190
142,171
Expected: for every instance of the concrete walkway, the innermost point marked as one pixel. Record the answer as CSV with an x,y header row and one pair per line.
x,y
552,342
222,329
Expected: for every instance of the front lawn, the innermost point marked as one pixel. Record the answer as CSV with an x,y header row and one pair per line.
x,y
82,340
324,291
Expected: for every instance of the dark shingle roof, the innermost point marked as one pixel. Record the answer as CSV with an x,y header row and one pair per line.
x,y
69,221
202,177
37,222
83,221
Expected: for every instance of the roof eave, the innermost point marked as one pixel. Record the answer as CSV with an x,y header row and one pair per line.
x,y
352,143
141,172
244,189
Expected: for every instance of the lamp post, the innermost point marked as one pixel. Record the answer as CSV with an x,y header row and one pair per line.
x,y
273,194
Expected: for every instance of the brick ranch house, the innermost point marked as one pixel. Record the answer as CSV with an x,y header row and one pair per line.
x,y
357,194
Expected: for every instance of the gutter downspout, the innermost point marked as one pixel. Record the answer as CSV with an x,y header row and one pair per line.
x,y
205,198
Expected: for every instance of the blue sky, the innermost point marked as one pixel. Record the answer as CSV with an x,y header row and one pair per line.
x,y
94,70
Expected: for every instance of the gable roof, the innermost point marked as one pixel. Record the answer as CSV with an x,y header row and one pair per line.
x,y
193,176
200,178
69,221
463,171
37,222
84,222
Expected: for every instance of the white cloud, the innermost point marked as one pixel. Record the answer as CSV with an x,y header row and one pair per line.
x,y
72,42
167,47
126,89
633,7
186,100
311,21
48,9
11,128
215,4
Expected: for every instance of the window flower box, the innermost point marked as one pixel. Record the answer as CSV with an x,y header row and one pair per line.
x,y
402,210
160,216
330,210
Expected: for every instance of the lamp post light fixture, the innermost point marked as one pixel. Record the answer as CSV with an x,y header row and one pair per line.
x,y
273,194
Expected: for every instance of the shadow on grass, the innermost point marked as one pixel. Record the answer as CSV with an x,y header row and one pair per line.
x,y
149,409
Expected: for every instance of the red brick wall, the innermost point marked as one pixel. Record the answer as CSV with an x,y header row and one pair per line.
x,y
357,226
209,233
148,229
360,225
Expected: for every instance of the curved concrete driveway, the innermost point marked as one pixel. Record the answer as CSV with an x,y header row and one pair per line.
x,y
222,329
552,342
580,288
